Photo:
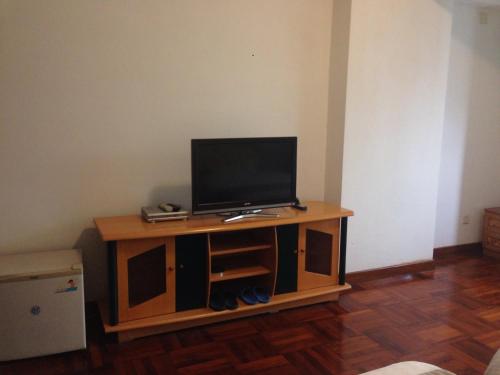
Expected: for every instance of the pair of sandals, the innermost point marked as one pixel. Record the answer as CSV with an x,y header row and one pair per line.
x,y
252,296
220,301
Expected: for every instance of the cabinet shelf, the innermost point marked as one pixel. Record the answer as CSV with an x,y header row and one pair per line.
x,y
238,273
242,249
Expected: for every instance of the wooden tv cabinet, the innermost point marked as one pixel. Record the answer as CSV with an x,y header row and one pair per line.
x,y
160,275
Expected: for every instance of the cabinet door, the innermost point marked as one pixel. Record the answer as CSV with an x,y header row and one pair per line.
x,y
318,254
146,278
288,242
191,271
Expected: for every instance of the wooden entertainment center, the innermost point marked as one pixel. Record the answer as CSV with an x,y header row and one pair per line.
x,y
160,275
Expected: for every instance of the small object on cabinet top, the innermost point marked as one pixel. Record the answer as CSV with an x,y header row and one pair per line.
x,y
169,207
154,214
165,218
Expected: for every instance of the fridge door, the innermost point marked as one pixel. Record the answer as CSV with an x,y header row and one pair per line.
x,y
41,316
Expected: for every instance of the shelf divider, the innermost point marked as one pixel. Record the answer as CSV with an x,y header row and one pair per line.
x,y
238,250
239,273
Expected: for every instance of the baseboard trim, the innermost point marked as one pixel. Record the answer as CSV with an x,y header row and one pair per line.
x,y
489,253
399,269
474,248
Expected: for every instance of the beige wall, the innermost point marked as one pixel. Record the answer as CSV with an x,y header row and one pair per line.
x,y
396,88
470,157
339,52
99,99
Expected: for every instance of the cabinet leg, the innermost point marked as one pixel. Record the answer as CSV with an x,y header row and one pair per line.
x,y
343,246
335,297
123,337
112,283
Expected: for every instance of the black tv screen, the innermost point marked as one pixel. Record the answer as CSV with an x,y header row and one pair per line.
x,y
236,174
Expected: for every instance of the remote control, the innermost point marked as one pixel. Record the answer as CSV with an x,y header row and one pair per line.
x,y
299,206
169,207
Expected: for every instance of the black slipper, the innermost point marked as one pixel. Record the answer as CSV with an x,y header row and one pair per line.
x,y
217,301
231,301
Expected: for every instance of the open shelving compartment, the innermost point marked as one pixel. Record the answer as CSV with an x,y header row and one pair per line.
x,y
244,258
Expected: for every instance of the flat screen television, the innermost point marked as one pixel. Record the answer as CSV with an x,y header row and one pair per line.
x,y
242,174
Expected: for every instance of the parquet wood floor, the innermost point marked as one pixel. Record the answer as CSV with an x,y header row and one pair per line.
x,y
449,317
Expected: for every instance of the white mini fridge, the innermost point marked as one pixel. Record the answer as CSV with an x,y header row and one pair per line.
x,y
41,304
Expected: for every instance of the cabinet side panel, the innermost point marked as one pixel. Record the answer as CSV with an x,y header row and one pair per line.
x,y
288,237
113,283
343,248
191,271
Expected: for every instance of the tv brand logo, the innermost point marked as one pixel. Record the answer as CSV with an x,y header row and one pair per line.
x,y
247,204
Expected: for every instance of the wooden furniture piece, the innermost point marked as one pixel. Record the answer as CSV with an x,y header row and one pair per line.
x,y
161,275
491,231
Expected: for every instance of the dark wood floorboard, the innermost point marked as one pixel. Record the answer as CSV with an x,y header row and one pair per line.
x,y
449,317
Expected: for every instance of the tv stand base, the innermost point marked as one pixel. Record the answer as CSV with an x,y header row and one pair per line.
x,y
134,329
